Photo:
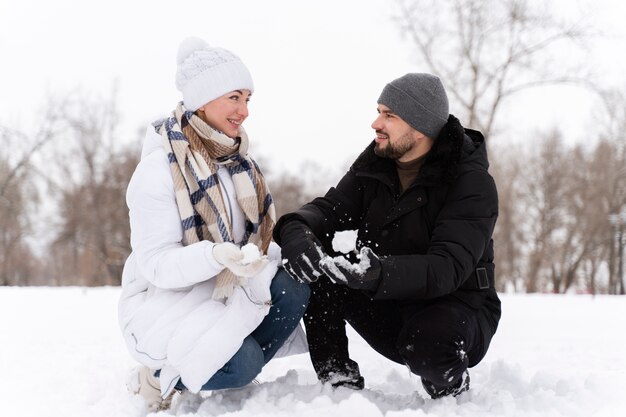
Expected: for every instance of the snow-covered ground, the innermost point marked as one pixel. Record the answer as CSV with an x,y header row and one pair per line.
x,y
61,355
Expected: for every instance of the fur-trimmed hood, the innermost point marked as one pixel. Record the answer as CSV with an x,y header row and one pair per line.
x,y
455,150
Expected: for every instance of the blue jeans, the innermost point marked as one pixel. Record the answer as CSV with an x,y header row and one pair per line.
x,y
289,301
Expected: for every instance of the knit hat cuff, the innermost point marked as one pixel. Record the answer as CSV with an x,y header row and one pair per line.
x,y
215,82
412,111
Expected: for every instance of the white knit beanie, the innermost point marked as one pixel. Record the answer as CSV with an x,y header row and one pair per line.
x,y
205,73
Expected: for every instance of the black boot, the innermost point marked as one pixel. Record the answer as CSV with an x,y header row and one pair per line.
x,y
346,376
356,383
438,392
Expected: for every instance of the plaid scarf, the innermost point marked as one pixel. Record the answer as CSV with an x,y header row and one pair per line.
x,y
195,152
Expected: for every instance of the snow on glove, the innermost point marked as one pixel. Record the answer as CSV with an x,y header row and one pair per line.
x,y
301,251
231,256
362,276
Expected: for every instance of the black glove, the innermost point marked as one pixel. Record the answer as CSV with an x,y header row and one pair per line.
x,y
356,276
301,251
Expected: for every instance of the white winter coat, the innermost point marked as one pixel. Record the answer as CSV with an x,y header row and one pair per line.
x,y
166,311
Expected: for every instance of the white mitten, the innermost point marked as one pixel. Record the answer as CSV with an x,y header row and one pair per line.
x,y
231,256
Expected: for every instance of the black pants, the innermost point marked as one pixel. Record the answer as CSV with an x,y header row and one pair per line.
x,y
437,339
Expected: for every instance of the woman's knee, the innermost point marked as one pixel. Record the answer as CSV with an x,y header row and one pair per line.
x,y
289,292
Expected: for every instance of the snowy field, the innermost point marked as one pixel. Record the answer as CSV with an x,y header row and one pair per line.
x,y
62,356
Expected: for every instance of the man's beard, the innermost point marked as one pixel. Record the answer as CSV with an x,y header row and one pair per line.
x,y
395,151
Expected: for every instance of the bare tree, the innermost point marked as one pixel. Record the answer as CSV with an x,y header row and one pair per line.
x,y
544,191
610,170
17,163
93,235
16,201
486,51
19,198
581,224
565,208
507,171
291,191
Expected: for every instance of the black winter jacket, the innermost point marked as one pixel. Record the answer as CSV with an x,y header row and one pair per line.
x,y
433,236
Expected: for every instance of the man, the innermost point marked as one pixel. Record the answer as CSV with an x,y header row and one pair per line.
x,y
425,207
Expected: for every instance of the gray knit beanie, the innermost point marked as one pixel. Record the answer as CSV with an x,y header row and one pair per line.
x,y
420,100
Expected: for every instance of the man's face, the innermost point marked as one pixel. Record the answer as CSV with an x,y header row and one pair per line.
x,y
396,139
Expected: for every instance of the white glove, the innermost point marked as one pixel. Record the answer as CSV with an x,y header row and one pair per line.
x,y
231,256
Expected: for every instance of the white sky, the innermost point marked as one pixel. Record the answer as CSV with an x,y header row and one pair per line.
x,y
318,66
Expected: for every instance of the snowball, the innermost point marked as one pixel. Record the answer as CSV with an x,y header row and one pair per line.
x,y
345,241
251,253
359,268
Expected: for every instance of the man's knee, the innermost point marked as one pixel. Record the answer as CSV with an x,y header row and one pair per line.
x,y
440,342
441,363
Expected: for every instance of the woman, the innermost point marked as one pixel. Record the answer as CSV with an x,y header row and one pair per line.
x,y
196,310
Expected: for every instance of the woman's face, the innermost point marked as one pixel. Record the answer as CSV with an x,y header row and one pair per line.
x,y
226,113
